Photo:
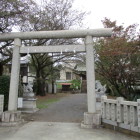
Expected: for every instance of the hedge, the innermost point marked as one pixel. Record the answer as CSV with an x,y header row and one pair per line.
x,y
4,89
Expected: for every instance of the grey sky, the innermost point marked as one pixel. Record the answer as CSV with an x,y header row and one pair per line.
x,y
124,11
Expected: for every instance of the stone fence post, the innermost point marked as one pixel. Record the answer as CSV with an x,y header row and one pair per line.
x,y
1,104
103,107
119,109
138,109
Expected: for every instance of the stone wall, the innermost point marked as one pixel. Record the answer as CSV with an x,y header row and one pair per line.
x,y
120,113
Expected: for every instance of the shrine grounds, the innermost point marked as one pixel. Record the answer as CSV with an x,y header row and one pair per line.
x,y
60,120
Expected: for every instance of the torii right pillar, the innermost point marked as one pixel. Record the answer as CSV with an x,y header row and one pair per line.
x,y
92,119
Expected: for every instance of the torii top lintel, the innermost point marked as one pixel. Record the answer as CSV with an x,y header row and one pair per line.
x,y
103,32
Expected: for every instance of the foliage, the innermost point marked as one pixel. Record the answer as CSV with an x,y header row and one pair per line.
x,y
12,14
34,86
45,72
118,60
76,84
27,15
59,16
59,86
4,89
53,15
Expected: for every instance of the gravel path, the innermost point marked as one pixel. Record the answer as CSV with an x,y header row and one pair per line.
x,y
67,109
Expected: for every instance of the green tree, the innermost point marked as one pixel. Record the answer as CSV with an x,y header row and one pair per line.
x,y
45,69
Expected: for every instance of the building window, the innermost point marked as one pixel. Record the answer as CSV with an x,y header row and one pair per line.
x,y
68,75
23,71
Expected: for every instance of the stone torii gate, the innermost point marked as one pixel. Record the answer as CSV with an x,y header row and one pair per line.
x,y
12,116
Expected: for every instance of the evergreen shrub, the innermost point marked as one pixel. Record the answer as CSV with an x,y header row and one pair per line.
x,y
4,89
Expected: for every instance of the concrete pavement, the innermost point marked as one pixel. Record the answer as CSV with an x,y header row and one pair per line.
x,y
59,131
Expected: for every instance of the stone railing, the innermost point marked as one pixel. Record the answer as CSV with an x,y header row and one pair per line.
x,y
120,113
1,104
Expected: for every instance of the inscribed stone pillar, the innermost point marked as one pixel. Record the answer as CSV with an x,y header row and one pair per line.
x,y
91,96
14,82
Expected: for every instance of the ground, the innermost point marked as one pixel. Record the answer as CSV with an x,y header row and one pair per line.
x,y
60,121
69,108
59,131
45,101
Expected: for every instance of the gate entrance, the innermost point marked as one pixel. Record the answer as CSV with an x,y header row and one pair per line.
x,y
91,117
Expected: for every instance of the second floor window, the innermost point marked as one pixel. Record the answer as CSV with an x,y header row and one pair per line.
x,y
68,75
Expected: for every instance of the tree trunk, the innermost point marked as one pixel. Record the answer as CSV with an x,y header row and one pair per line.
x,y
52,77
52,86
43,91
1,69
40,85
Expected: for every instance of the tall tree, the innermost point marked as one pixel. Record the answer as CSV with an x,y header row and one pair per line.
x,y
45,69
118,60
53,15
26,15
12,14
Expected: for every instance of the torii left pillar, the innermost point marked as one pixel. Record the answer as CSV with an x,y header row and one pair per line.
x,y
12,116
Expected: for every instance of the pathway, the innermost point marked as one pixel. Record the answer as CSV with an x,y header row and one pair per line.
x,y
59,131
67,109
55,122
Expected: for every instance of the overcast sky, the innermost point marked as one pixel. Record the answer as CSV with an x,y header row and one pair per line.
x,y
123,11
